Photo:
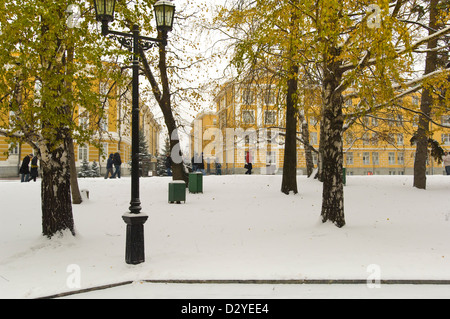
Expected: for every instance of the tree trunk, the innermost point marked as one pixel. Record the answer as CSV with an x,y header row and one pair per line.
x,y
308,152
320,155
57,214
178,172
289,182
333,120
423,131
76,195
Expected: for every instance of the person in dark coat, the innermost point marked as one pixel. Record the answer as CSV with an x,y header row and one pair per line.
x,y
201,164
24,169
34,169
117,163
109,165
169,165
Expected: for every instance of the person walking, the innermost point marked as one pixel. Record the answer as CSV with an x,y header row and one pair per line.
x,y
201,164
109,166
169,165
34,169
248,163
218,167
24,169
446,160
117,163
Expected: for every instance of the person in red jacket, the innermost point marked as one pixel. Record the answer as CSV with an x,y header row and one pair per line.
x,y
248,163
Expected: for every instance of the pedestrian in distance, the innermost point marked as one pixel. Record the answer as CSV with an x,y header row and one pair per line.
x,y
201,164
24,169
34,169
168,165
109,165
446,160
248,163
218,167
117,161
194,162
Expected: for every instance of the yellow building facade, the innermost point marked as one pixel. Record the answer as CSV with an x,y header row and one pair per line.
x,y
112,134
249,119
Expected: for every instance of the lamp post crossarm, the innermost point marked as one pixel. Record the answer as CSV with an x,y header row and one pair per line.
x,y
126,39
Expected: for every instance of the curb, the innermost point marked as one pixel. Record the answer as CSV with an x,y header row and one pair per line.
x,y
258,282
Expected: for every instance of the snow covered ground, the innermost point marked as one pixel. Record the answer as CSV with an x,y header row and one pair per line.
x,y
241,227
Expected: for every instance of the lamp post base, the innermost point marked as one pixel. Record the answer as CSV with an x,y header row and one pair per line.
x,y
134,250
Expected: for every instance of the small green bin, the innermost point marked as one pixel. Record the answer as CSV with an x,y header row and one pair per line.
x,y
196,182
177,192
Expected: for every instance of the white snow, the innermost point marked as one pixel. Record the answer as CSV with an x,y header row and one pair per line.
x,y
240,227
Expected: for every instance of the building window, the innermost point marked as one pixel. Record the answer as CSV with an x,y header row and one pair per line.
x,y
374,121
247,97
312,121
399,139
391,158
248,116
269,97
366,158
349,158
374,140
104,123
271,157
83,122
270,117
366,139
375,158
446,139
13,149
349,138
313,138
446,119
400,158
83,152
104,149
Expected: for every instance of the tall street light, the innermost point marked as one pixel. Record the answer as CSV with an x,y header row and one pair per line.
x,y
164,13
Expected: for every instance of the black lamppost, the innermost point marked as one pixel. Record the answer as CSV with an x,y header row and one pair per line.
x,y
164,13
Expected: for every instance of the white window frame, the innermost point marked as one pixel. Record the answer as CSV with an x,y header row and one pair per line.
x,y
400,158
375,158
247,97
83,152
349,158
445,139
400,140
272,117
366,158
391,158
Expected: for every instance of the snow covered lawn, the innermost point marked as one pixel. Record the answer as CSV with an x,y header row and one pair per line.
x,y
241,227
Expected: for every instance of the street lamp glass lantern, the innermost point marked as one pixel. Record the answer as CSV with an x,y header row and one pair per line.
x,y
104,10
164,13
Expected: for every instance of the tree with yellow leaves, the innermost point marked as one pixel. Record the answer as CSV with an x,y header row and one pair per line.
x,y
359,45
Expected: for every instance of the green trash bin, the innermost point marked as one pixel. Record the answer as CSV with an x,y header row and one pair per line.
x,y
177,192
196,182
